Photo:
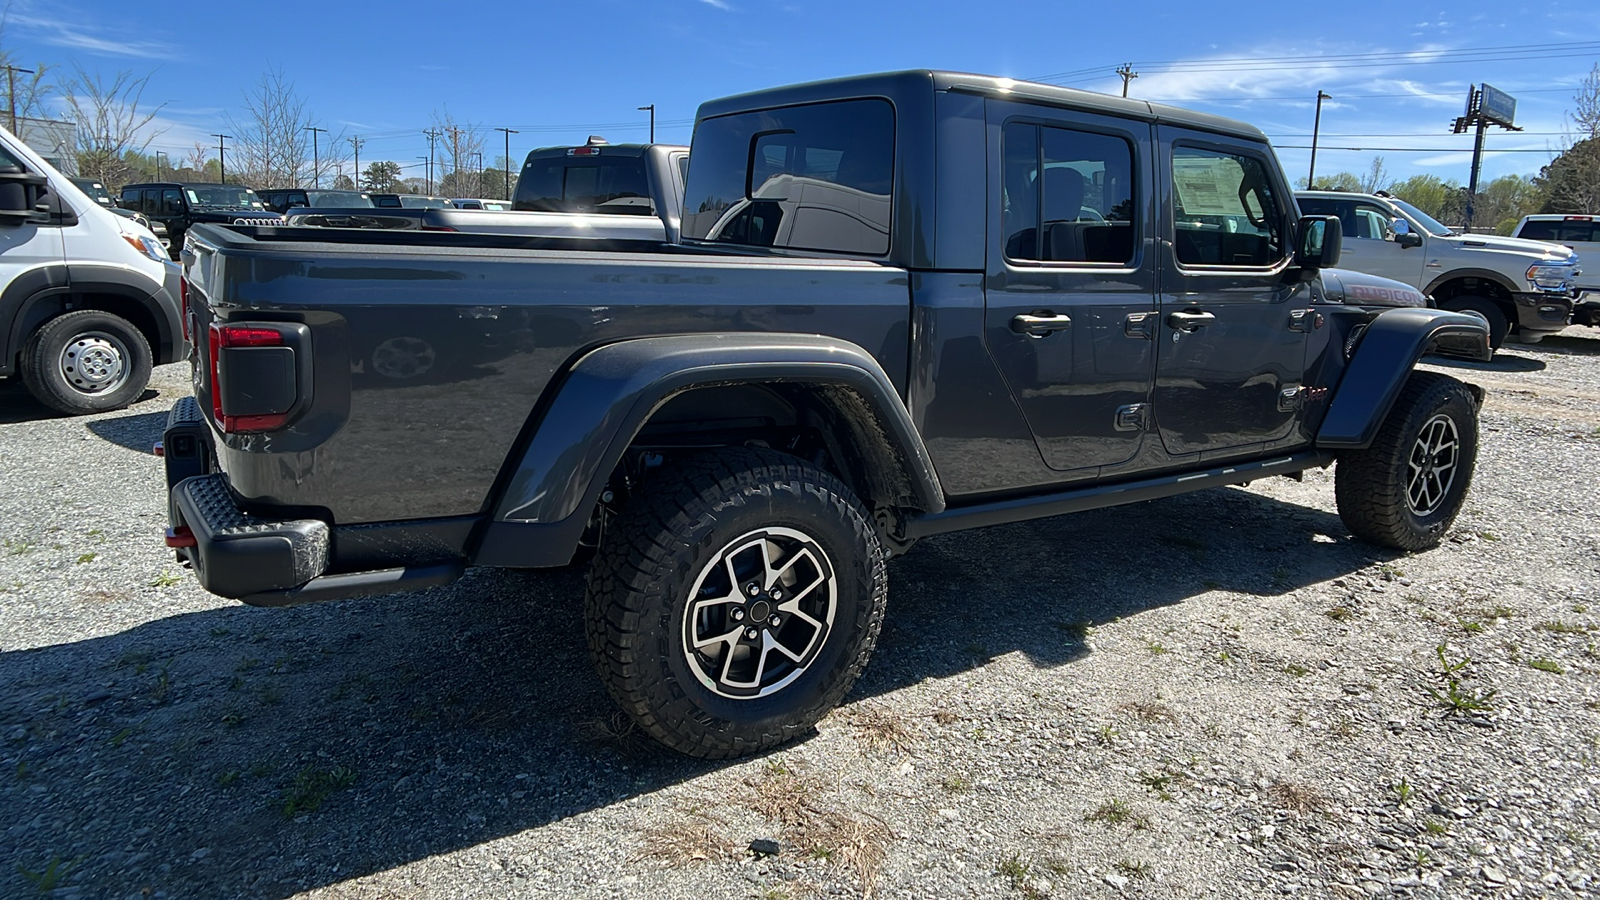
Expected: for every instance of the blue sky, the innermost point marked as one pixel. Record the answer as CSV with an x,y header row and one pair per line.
x,y
557,72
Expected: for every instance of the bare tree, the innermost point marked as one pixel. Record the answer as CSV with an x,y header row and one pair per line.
x,y
110,122
271,144
197,158
460,146
1377,177
1587,115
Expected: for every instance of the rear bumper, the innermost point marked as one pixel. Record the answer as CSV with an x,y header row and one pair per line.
x,y
1539,314
259,560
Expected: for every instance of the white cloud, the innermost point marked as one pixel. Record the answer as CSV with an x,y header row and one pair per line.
x,y
719,4
77,37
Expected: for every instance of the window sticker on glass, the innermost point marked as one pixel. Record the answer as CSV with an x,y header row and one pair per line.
x,y
1208,186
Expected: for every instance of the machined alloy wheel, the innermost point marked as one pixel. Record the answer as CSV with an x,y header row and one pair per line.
x,y
763,608
1406,489
734,599
1432,465
94,362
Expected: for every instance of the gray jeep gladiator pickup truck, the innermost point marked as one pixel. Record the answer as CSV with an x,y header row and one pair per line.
x,y
902,305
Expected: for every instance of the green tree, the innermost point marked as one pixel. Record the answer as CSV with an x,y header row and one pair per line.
x,y
1433,195
383,177
1505,200
1571,182
1344,181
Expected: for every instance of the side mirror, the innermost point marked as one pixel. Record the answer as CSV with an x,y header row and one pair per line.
x,y
1318,241
1408,239
1400,226
21,197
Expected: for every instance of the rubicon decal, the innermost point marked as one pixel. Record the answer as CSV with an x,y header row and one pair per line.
x,y
1382,294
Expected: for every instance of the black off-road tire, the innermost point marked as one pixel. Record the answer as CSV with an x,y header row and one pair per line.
x,y
1375,486
62,361
680,530
1499,324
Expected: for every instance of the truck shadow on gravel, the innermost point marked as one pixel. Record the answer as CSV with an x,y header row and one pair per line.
x,y
246,752
18,406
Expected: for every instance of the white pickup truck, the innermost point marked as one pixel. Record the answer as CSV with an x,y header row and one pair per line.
x,y
1581,235
1525,288
89,301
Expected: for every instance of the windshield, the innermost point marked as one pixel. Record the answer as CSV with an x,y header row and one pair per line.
x,y
95,190
226,196
340,199
413,201
1429,223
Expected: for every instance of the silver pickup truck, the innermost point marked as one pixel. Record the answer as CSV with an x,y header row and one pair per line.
x,y
598,190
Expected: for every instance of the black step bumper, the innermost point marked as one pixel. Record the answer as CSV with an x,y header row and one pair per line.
x,y
259,560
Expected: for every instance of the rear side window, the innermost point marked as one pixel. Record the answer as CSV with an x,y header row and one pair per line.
x,y
814,177
1225,212
1080,209
1561,232
596,184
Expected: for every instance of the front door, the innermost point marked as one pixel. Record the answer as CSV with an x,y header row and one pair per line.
x,y
1369,244
1070,302
1231,340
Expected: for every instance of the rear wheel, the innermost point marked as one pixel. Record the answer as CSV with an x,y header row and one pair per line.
x,y
85,362
1499,325
733,603
1406,489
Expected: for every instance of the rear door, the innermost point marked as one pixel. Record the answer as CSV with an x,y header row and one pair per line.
x,y
1231,340
1070,298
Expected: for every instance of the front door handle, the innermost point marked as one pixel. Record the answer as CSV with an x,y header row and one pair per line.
x,y
1190,321
1039,323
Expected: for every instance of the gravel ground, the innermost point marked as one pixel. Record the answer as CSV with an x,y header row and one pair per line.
x,y
1213,695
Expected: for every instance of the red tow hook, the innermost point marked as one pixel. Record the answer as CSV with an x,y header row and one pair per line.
x,y
160,449
180,537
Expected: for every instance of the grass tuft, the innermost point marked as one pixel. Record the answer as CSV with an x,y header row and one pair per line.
x,y
311,787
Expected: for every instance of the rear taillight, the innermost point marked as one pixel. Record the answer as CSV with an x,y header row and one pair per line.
x,y
227,337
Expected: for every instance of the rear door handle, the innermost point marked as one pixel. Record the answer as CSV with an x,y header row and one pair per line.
x,y
1040,323
1190,321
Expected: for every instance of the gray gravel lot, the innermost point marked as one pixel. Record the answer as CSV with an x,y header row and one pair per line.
x,y
1213,695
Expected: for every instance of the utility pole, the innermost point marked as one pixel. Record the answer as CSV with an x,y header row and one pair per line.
x,y
316,164
1316,128
222,155
455,156
160,175
355,144
11,91
652,108
433,135
1128,74
509,132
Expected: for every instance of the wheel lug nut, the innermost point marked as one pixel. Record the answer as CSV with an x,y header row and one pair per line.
x,y
737,615
751,633
775,621
777,594
752,589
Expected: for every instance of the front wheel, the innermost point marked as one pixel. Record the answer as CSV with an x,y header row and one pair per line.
x,y
1499,323
86,361
1406,489
735,601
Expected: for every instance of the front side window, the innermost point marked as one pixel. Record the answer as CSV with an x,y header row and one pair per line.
x,y
1080,209
813,177
1225,212
1359,220
171,202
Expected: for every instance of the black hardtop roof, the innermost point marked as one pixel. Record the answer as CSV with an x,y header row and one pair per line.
x,y
182,184
906,83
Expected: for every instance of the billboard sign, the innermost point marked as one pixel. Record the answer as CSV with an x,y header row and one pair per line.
x,y
1497,106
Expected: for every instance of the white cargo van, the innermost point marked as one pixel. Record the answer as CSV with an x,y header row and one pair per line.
x,y
89,301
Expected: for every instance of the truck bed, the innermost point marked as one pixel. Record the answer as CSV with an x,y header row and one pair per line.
x,y
432,351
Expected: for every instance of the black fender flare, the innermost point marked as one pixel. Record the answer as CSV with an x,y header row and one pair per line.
x,y
1387,350
23,291
1480,274
608,395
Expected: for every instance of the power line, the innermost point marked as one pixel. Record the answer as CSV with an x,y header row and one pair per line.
x,y
1409,149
